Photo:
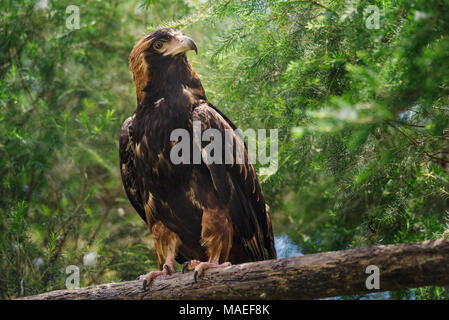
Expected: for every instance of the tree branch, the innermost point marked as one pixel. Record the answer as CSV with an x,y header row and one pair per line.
x,y
338,273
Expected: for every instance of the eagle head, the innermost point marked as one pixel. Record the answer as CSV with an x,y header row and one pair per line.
x,y
159,55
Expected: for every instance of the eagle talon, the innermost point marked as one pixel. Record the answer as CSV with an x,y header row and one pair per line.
x,y
167,269
185,265
195,276
145,285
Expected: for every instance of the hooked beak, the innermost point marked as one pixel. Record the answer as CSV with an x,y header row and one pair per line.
x,y
191,44
181,44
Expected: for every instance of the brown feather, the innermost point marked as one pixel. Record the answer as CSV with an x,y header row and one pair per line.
x,y
193,211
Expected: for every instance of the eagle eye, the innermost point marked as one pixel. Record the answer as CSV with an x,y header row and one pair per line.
x,y
158,45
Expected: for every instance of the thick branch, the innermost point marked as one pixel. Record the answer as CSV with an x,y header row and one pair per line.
x,y
311,276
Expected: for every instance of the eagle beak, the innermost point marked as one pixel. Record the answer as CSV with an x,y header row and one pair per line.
x,y
192,45
187,44
181,44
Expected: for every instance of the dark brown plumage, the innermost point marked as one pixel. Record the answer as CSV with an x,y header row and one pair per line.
x,y
196,212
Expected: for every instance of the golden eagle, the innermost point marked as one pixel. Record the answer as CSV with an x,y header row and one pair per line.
x,y
204,215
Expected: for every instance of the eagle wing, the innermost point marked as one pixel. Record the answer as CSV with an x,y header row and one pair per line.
x,y
238,187
128,168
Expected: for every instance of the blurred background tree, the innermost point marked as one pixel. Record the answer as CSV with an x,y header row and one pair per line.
x,y
362,112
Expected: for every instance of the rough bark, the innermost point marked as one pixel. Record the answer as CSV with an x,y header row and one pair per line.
x,y
311,276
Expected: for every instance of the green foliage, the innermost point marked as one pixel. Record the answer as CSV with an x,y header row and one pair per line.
x,y
362,116
63,97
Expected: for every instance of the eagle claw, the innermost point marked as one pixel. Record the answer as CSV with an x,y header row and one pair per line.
x,y
145,285
167,269
185,265
195,276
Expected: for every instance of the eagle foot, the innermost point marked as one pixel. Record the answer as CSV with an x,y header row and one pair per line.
x,y
166,270
199,267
